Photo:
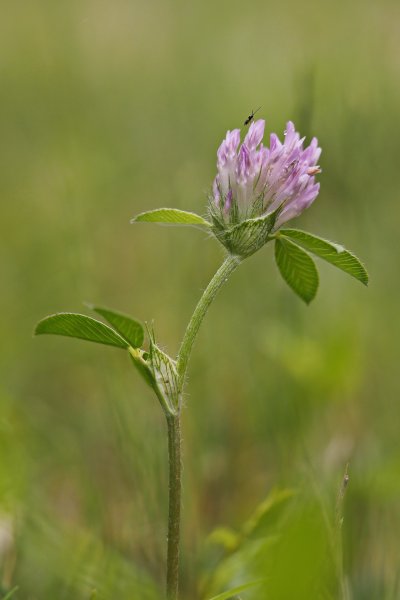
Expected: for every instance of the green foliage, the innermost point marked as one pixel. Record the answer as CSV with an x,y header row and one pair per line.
x,y
156,367
243,549
126,333
297,269
170,216
128,328
10,593
264,518
267,513
333,253
79,565
230,593
302,566
82,327
290,558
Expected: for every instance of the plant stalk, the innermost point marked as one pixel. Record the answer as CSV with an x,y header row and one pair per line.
x,y
174,428
228,266
174,515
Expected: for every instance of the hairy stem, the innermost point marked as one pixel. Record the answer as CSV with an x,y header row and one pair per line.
x,y
173,422
227,267
174,516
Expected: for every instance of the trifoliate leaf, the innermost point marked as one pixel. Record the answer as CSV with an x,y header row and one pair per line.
x,y
82,327
128,328
333,253
297,268
171,216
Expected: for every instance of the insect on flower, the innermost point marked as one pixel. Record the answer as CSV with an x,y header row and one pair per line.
x,y
251,117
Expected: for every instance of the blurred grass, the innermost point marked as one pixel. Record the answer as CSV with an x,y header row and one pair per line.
x,y
107,109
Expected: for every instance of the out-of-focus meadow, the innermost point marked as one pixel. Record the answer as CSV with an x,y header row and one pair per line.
x,y
111,108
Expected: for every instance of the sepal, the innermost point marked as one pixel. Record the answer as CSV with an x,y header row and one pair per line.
x,y
245,238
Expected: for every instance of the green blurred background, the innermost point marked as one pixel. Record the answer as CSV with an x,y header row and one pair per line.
x,y
111,108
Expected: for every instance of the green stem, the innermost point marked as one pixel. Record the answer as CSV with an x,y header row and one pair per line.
x,y
227,267
174,516
174,430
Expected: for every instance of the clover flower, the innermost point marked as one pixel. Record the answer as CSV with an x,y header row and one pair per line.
x,y
254,180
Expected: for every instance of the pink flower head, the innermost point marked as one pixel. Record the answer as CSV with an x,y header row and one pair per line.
x,y
254,180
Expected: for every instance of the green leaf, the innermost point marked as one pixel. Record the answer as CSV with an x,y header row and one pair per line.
x,y
297,268
225,537
10,593
236,590
171,216
128,328
267,513
333,253
81,327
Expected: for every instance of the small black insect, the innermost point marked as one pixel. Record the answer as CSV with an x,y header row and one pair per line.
x,y
251,117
